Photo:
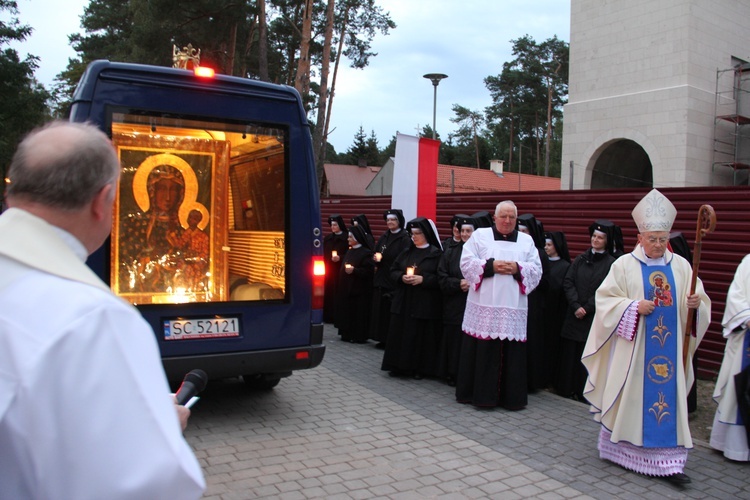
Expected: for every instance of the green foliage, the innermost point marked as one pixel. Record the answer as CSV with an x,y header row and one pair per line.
x,y
470,123
537,79
364,19
514,126
24,100
364,149
226,32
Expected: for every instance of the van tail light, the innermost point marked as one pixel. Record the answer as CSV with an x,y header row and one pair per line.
x,y
318,281
204,72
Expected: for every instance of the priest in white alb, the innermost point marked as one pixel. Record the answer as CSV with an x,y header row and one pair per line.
x,y
502,267
85,408
637,383
728,432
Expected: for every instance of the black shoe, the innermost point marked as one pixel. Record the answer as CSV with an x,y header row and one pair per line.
x,y
380,345
678,479
417,376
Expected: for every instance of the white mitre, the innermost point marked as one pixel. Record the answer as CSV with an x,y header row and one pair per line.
x,y
654,213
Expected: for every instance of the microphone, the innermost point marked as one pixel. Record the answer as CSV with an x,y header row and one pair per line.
x,y
193,383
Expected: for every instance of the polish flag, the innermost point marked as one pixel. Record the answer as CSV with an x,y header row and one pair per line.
x,y
415,176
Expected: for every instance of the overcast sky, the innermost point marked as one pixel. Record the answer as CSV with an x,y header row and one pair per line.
x,y
467,40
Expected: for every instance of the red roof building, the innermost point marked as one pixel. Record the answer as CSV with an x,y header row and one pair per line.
x,y
453,179
348,180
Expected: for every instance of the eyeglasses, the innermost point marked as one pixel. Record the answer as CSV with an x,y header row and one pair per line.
x,y
415,231
652,239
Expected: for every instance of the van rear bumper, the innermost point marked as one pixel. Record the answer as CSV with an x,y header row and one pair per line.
x,y
232,364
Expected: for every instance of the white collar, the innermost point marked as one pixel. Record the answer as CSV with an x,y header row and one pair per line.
x,y
660,261
74,243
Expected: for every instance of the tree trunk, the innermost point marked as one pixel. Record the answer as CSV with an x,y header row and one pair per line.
x,y
332,93
262,42
243,71
476,140
302,80
291,50
232,51
535,163
510,148
319,135
549,127
547,146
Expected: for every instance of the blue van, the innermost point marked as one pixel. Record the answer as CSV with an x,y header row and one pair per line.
x,y
216,236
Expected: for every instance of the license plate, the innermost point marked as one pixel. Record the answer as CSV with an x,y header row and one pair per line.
x,y
203,328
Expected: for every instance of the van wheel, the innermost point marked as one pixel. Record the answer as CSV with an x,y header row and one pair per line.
x,y
259,382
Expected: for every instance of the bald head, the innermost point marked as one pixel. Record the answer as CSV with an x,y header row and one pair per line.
x,y
62,165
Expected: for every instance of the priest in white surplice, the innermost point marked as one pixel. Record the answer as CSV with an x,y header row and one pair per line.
x,y
637,380
502,267
85,409
728,432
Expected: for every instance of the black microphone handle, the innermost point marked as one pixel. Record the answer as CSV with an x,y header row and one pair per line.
x,y
186,391
193,383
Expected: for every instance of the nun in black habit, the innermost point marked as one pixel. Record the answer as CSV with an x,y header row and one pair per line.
x,y
580,284
416,322
354,293
616,244
361,220
555,303
538,374
455,237
394,241
483,219
335,245
455,290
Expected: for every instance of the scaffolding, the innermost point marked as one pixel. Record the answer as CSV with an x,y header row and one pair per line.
x,y
732,123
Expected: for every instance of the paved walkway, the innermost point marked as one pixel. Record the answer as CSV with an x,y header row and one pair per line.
x,y
348,430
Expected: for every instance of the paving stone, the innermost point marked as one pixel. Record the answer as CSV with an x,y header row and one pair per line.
x,y
346,430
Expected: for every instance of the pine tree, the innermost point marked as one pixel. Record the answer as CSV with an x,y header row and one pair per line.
x,y
23,98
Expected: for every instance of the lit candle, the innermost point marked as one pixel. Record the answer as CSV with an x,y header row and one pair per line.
x,y
410,271
334,253
348,266
378,256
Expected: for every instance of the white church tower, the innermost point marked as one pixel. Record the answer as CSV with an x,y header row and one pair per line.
x,y
659,94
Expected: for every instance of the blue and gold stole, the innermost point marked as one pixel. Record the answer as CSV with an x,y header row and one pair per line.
x,y
660,377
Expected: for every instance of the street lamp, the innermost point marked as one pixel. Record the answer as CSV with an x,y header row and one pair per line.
x,y
435,79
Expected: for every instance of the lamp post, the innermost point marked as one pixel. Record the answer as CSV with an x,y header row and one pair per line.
x,y
435,79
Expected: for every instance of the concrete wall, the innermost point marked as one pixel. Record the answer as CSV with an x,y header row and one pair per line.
x,y
382,183
646,71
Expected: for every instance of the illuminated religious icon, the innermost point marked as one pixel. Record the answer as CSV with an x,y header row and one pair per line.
x,y
164,246
661,291
659,409
662,331
186,58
